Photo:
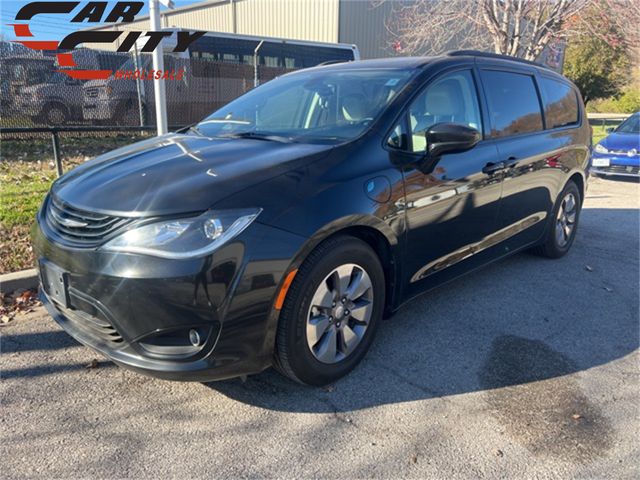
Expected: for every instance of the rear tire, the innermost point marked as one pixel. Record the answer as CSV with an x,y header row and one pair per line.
x,y
331,312
563,224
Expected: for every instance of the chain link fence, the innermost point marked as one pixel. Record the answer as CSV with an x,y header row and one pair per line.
x,y
34,93
42,107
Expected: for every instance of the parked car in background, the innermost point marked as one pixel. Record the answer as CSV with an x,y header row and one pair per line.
x,y
619,152
280,229
56,101
21,71
219,67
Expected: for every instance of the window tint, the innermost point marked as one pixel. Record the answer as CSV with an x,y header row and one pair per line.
x,y
561,103
450,99
513,103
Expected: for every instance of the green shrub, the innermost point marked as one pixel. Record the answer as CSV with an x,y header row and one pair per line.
x,y
627,102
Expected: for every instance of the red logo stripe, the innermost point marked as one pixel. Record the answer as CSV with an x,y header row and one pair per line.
x,y
88,74
66,60
39,45
21,29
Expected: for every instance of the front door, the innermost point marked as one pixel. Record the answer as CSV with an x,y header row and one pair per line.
x,y
452,206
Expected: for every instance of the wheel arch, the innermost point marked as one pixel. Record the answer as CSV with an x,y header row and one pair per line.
x,y
55,103
579,180
375,233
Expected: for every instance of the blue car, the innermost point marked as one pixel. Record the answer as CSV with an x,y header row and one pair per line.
x,y
619,152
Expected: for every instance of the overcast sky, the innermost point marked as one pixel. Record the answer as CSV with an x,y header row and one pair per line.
x,y
54,27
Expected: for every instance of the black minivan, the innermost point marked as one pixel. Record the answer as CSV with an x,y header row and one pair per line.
x,y
281,229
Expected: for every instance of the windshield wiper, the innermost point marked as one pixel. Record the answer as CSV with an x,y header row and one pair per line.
x,y
259,136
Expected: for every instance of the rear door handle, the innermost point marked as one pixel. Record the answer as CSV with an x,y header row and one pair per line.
x,y
493,167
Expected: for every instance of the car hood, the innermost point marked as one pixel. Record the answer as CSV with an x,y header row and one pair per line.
x,y
177,173
621,142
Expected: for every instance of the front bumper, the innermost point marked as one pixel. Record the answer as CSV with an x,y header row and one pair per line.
x,y
617,170
138,310
615,164
99,109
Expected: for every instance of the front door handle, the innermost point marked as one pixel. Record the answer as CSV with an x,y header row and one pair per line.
x,y
510,162
493,167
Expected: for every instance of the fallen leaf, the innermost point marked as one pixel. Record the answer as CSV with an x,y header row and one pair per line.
x,y
92,364
5,318
576,416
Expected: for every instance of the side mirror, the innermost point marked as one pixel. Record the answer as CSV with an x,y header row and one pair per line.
x,y
450,138
610,129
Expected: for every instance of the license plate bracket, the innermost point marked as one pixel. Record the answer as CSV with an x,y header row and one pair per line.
x,y
55,283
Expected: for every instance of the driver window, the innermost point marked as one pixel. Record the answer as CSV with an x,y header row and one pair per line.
x,y
450,99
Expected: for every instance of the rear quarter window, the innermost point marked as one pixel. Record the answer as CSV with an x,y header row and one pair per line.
x,y
560,103
514,106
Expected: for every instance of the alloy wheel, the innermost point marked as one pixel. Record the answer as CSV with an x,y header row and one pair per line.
x,y
339,313
55,116
566,219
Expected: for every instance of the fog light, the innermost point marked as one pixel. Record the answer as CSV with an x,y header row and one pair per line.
x,y
194,338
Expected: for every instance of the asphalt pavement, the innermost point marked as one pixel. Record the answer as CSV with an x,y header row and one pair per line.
x,y
528,368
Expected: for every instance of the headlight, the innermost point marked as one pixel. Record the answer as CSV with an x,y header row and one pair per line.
x,y
600,149
183,238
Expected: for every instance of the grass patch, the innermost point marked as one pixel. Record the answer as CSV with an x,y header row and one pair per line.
x,y
599,132
23,186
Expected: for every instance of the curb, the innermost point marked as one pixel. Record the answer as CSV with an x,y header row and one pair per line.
x,y
26,279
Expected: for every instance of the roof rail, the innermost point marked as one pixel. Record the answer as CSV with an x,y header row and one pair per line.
x,y
478,53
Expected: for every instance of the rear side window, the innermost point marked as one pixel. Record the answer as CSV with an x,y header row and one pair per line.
x,y
560,104
514,106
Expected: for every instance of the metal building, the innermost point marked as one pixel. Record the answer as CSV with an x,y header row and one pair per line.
x,y
359,22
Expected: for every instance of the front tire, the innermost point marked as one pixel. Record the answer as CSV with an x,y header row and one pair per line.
x,y
331,312
561,231
55,115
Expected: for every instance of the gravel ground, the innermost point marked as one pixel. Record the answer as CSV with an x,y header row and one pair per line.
x,y
528,368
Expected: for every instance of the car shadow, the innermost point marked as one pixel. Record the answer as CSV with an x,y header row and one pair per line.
x,y
518,321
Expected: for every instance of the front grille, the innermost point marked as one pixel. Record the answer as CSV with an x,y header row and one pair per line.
x,y
621,169
91,92
79,226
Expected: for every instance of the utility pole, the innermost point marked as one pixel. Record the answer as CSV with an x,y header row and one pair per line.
x,y
159,92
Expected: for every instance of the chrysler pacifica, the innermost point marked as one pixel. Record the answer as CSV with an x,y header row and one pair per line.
x,y
284,227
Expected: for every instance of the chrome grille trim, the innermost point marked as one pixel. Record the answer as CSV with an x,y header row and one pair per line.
x,y
81,227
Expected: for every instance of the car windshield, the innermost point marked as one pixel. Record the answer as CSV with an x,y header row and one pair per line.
x,y
312,106
630,125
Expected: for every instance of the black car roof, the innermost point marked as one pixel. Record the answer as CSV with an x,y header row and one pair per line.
x,y
419,62
414,63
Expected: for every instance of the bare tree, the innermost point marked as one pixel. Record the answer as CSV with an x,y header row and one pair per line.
x,y
617,22
520,28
